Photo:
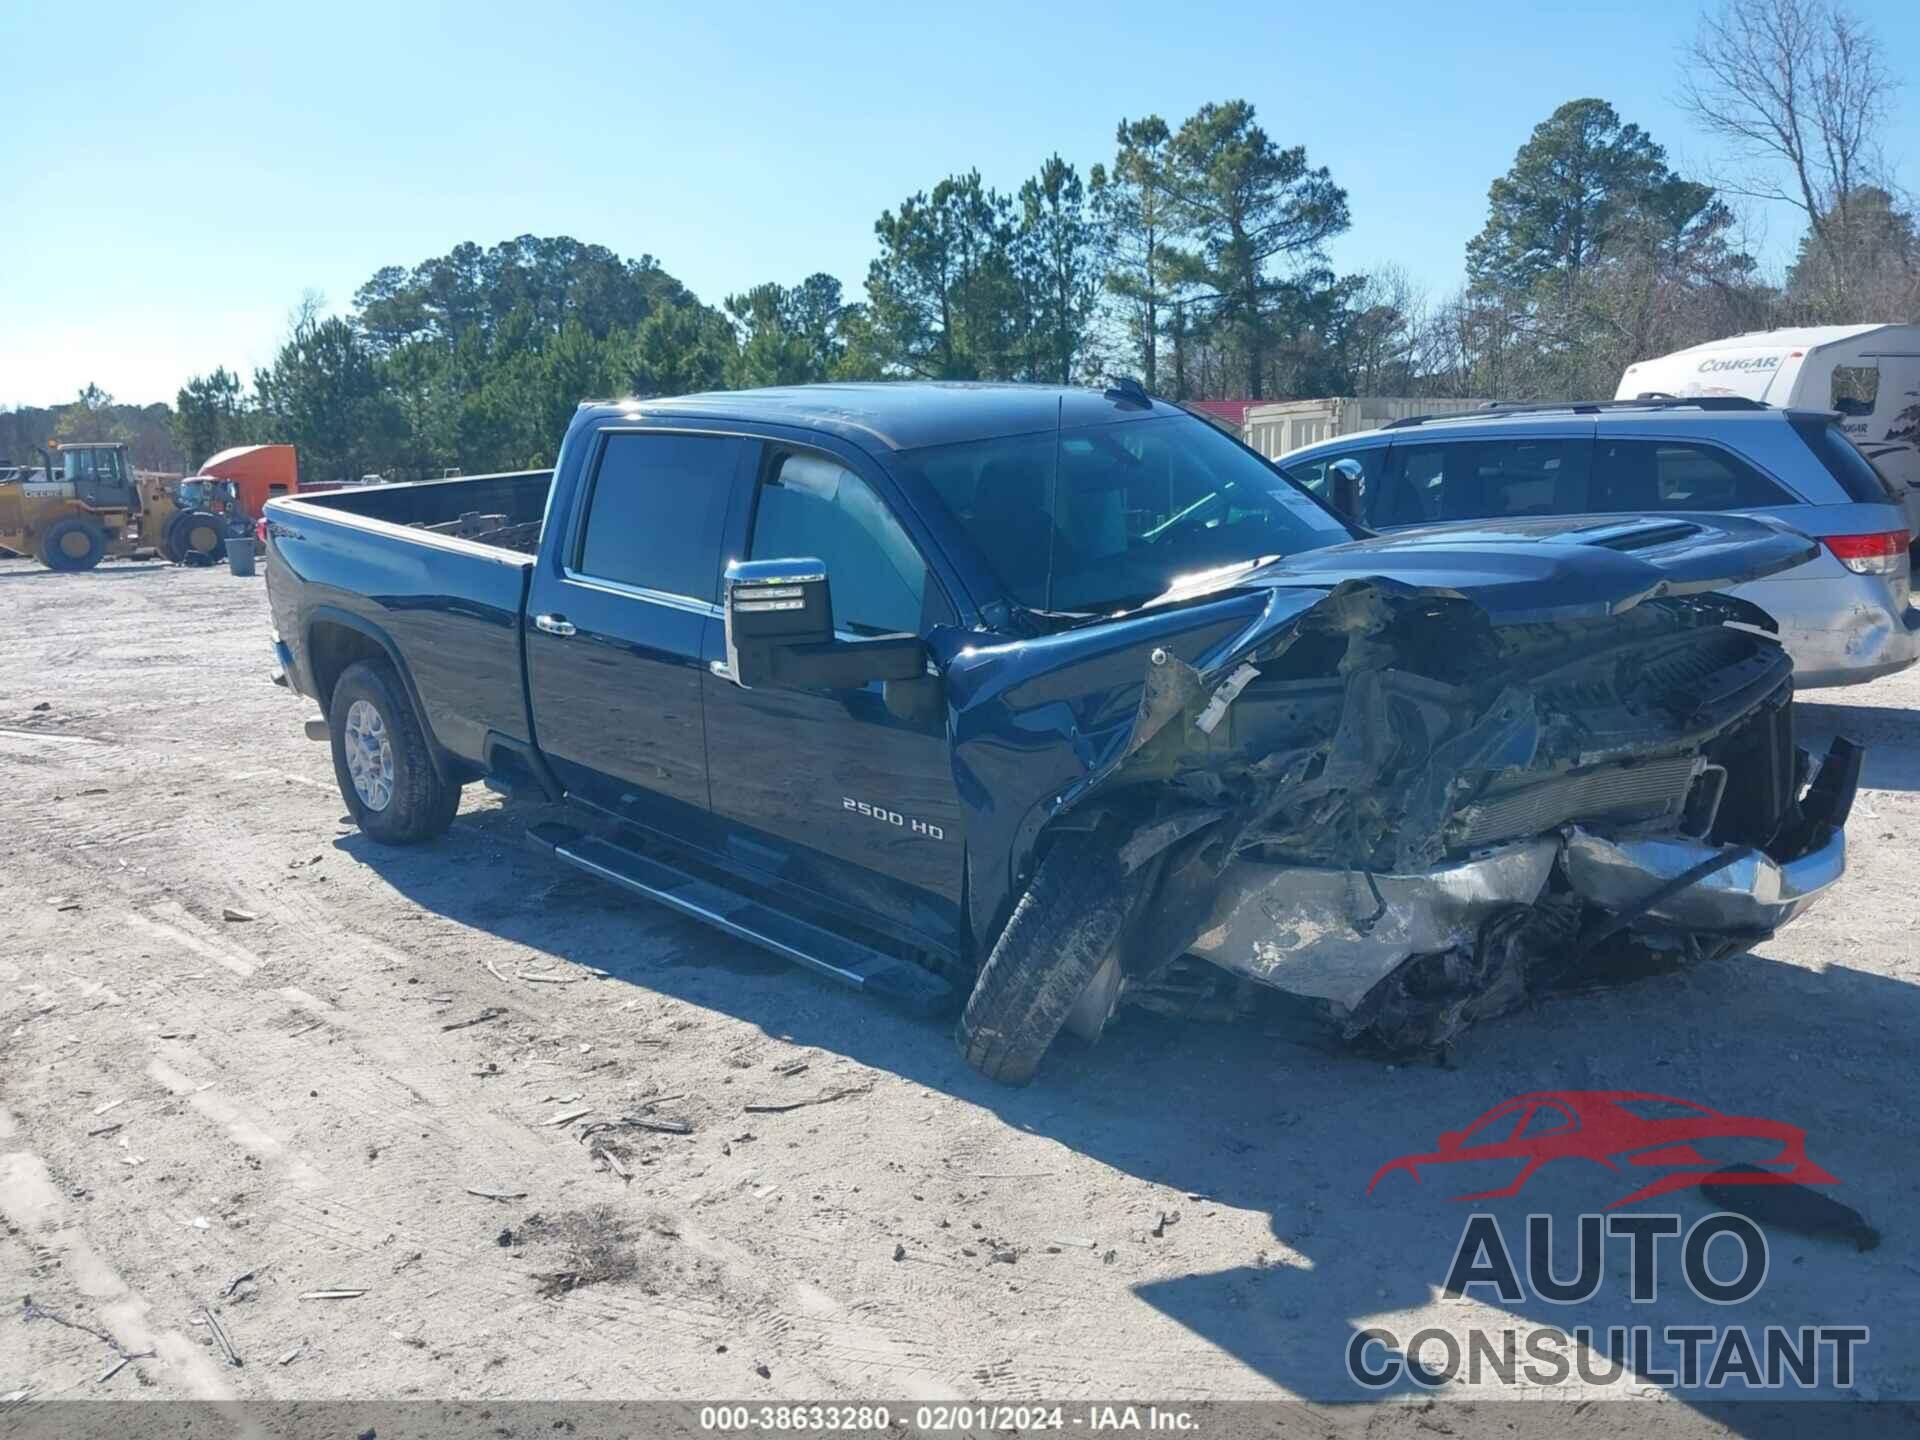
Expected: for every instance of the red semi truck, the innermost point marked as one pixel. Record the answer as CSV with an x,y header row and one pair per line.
x,y
259,473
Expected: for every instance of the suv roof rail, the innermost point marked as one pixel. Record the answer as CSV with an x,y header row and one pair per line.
x,y
1650,401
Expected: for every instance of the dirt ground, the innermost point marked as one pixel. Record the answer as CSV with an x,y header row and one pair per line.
x,y
343,1099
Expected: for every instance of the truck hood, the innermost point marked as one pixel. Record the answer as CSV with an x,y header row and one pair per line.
x,y
1539,568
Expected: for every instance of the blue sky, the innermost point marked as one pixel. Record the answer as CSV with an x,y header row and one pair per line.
x,y
172,183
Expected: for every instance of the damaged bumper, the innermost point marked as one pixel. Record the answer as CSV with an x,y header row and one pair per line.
x,y
1336,935
1420,818
1332,935
1753,893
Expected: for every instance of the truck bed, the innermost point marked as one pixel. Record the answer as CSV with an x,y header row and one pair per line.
x,y
409,563
503,510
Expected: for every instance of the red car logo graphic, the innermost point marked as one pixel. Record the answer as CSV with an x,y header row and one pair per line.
x,y
1617,1128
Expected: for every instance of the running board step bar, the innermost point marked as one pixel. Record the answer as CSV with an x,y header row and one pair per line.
x,y
911,987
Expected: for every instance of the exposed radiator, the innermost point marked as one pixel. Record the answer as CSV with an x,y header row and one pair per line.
x,y
1650,790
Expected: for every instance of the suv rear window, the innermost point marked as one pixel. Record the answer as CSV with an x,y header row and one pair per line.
x,y
1855,474
1674,475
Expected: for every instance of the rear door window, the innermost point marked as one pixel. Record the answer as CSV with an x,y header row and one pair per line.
x,y
1654,475
1484,479
655,512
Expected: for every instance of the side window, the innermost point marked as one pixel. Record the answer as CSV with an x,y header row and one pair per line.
x,y
1410,494
656,509
1497,1127
1674,475
1493,479
1546,1118
1856,390
814,507
1311,475
1531,477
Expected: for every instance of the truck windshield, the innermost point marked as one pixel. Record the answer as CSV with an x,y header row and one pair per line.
x,y
1110,516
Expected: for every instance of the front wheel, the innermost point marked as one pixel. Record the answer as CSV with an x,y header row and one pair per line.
x,y
75,543
196,536
381,761
1060,934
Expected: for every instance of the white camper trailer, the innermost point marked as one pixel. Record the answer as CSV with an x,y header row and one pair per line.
x,y
1870,374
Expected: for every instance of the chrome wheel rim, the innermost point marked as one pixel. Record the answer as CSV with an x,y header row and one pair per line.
x,y
369,755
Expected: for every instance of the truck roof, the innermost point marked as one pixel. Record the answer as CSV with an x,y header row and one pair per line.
x,y
903,414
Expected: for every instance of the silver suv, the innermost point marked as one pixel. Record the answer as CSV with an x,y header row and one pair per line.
x,y
1845,617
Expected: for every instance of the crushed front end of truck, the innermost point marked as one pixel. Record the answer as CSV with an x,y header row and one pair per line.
x,y
1419,818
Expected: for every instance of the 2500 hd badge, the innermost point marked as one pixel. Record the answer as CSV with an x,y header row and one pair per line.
x,y
892,817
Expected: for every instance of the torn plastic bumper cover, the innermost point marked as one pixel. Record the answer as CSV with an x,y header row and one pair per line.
x,y
1336,935
1324,934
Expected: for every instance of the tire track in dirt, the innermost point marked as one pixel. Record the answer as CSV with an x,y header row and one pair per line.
x,y
306,1204
31,1202
807,1325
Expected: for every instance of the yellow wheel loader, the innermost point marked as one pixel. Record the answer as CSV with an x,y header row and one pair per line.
x,y
83,504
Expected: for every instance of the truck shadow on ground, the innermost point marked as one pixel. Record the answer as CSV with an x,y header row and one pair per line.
x,y
1268,1119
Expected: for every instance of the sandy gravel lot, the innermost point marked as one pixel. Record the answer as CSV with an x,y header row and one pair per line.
x,y
234,1078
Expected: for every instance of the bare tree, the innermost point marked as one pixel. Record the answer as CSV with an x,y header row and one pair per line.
x,y
1385,312
1800,89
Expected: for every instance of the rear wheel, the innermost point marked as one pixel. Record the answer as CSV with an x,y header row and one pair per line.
x,y
75,543
381,761
1060,934
195,536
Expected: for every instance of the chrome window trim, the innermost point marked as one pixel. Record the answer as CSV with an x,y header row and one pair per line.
x,y
692,604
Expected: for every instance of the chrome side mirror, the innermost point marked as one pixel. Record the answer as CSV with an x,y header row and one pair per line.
x,y
1345,479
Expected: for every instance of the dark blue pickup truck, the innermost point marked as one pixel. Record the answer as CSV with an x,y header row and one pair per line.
x,y
1059,698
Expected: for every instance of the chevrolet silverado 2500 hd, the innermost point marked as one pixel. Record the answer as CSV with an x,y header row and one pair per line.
x,y
1045,695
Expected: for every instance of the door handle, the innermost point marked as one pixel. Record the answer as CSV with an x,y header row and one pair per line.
x,y
554,624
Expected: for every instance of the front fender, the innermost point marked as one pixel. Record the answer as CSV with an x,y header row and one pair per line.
x,y
1038,725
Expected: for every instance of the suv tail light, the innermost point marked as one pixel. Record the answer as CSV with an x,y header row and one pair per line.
x,y
1884,553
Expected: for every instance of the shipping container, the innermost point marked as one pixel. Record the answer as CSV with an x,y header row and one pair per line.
x,y
1289,425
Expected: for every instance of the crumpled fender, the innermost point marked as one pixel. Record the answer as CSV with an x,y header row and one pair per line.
x,y
1038,724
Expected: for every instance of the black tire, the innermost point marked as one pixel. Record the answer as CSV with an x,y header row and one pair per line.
x,y
73,543
196,536
419,805
1059,935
